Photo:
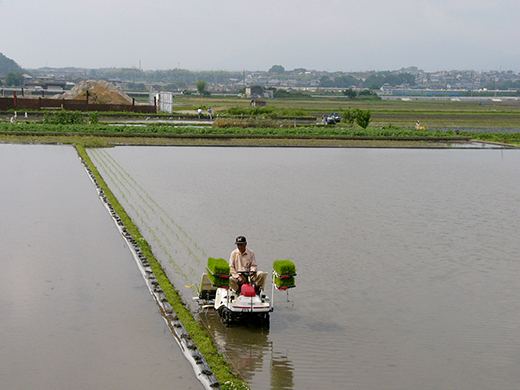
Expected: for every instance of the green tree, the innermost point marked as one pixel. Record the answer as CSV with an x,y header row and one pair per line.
x,y
201,87
350,93
136,87
325,82
14,79
277,69
376,80
344,81
366,92
349,116
363,117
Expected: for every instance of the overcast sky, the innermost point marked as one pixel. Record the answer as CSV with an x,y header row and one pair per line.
x,y
331,35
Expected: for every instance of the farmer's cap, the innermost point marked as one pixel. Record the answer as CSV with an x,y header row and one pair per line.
x,y
241,240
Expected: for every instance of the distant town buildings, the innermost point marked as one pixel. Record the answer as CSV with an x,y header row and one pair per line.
x,y
260,84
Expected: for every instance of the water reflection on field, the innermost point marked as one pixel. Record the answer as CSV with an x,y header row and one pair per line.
x,y
407,259
75,312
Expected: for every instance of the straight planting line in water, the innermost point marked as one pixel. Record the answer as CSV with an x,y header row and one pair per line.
x,y
121,169
120,185
128,178
128,186
189,349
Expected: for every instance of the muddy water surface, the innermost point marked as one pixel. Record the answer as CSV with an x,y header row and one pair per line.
x,y
408,260
75,312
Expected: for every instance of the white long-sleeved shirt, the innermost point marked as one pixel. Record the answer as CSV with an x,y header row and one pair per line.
x,y
242,262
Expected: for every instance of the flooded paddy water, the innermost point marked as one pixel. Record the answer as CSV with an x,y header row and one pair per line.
x,y
408,260
75,312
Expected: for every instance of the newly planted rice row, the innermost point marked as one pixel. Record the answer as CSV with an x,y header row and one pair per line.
x,y
217,361
146,210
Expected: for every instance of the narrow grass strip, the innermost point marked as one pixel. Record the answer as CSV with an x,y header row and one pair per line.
x,y
200,337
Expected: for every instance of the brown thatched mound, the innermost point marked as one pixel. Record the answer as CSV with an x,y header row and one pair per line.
x,y
101,92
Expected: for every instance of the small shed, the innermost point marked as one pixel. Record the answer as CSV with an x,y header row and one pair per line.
x,y
258,103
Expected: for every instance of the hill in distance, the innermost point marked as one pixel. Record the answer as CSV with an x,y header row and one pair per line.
x,y
8,65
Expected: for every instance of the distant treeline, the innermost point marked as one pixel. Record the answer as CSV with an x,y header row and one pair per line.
x,y
178,79
181,78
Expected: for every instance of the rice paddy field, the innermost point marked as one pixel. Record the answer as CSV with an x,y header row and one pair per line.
x,y
406,270
431,113
486,120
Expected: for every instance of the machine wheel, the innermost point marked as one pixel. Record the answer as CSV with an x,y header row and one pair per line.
x,y
226,315
264,319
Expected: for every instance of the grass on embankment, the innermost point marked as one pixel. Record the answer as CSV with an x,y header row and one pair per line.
x,y
200,337
160,129
166,134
